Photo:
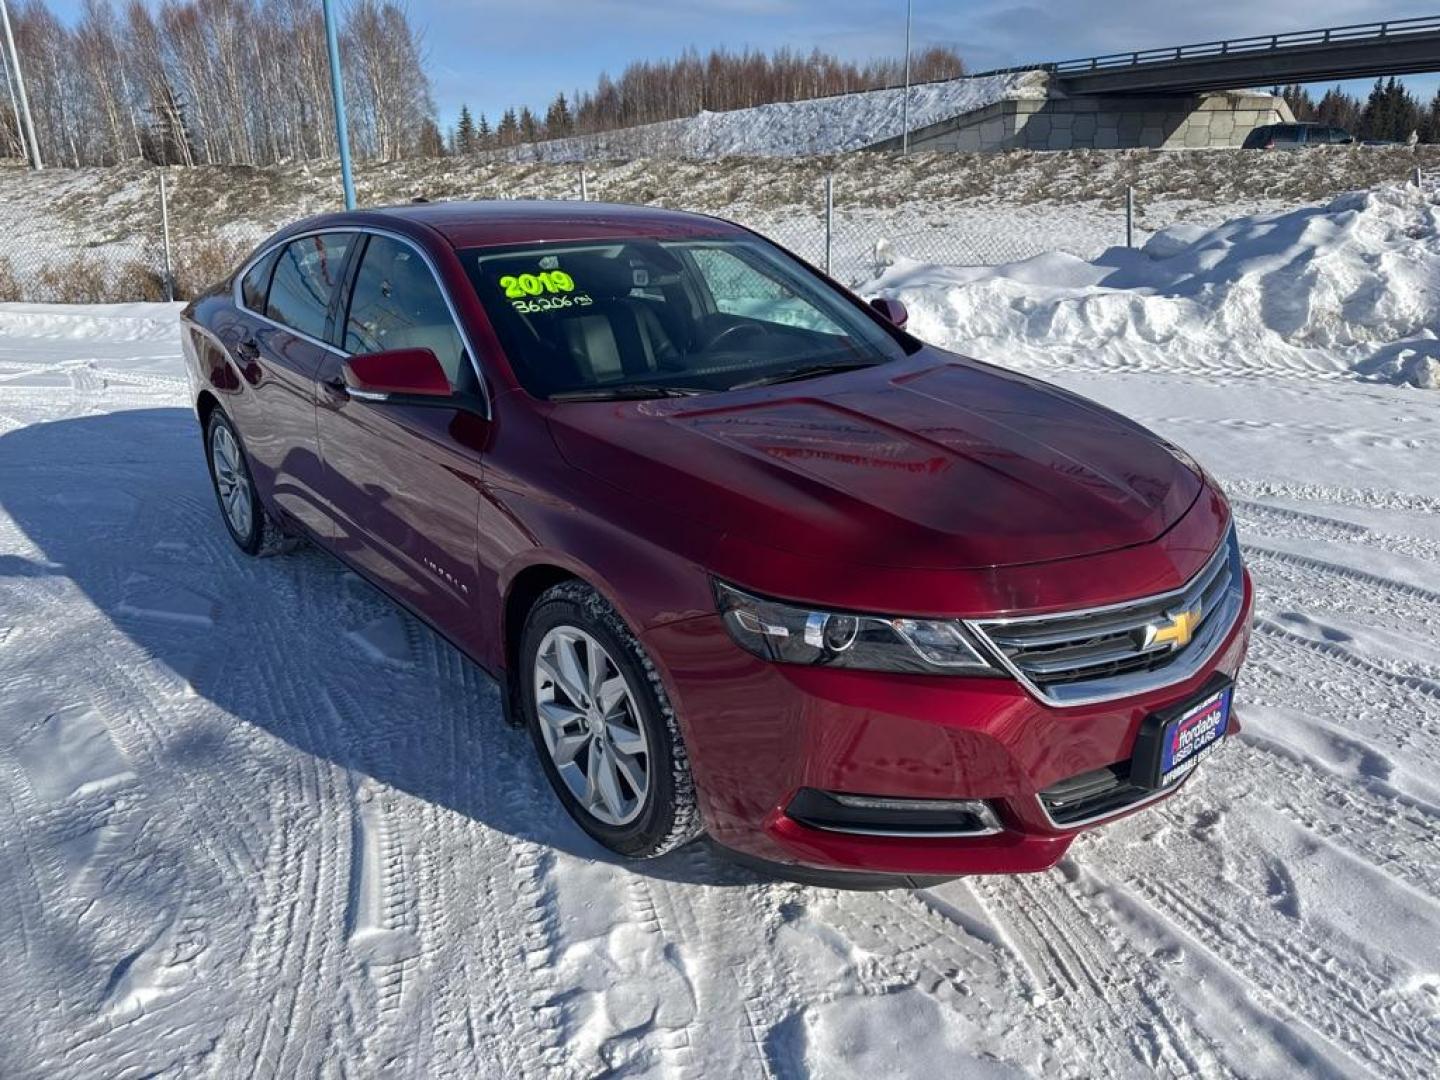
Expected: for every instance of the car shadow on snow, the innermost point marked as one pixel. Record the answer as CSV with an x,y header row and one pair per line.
x,y
299,647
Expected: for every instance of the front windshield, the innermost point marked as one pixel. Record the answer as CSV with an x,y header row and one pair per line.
x,y
641,317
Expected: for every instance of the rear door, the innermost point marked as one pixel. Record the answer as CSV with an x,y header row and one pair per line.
x,y
404,481
279,344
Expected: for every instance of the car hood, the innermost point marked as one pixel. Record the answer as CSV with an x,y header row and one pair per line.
x,y
935,462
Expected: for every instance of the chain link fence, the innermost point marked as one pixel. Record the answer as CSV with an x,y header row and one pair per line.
x,y
132,255
149,257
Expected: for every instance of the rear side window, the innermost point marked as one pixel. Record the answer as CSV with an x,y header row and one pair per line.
x,y
256,283
307,273
396,304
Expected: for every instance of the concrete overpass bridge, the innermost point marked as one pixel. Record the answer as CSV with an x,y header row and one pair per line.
x,y
1183,96
1366,50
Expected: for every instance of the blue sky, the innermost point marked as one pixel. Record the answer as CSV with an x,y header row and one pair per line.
x,y
492,55
495,53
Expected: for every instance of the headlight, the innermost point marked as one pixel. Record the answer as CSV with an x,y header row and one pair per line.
x,y
796,635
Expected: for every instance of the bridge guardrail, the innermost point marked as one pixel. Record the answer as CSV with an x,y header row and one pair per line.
x,y
1256,44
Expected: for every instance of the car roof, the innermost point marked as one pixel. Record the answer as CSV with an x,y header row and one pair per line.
x,y
514,221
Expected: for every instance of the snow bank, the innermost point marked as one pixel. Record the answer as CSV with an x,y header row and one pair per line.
x,y
103,322
1352,286
820,126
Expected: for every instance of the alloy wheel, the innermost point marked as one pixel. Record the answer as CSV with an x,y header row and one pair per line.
x,y
591,725
231,479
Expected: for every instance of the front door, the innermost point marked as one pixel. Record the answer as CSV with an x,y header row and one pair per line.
x,y
403,481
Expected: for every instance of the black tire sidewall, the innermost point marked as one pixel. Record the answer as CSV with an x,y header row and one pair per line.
x,y
250,543
655,824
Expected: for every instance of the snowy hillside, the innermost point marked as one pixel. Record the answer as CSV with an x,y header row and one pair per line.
x,y
255,821
820,126
1351,286
87,230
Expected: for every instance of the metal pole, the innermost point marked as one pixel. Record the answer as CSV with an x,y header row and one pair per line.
x,y
584,187
337,95
20,88
905,112
14,106
829,220
1129,216
1417,175
165,238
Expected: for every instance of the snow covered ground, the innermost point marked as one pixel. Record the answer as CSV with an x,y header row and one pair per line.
x,y
255,821
1351,286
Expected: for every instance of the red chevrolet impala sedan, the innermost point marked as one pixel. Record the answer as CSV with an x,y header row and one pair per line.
x,y
746,557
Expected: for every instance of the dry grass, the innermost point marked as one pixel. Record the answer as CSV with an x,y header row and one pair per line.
x,y
90,211
91,279
81,279
202,264
10,287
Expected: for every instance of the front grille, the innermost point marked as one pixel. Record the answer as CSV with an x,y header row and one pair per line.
x,y
1076,658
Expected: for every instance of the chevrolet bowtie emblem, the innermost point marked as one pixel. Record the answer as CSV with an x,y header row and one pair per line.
x,y
1176,631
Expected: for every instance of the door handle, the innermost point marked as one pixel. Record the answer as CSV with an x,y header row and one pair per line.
x,y
247,350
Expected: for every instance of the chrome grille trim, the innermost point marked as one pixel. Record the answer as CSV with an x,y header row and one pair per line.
x,y
1082,657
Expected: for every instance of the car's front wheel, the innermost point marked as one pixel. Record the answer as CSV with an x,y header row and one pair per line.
x,y
250,525
603,726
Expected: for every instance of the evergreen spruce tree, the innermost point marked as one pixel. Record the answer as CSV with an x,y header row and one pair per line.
x,y
484,137
1339,109
508,133
1374,118
1404,111
1430,122
465,132
558,121
529,126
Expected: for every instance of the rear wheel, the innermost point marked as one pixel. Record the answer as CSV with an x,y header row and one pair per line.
x,y
250,525
603,726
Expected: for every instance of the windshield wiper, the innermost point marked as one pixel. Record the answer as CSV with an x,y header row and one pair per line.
x,y
626,393
807,372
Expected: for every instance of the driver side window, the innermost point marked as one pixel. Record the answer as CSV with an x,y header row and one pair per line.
x,y
739,289
396,304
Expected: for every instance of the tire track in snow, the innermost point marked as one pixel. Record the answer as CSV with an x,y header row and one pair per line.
x,y
1391,715
1356,1013
1429,599
1328,432
1132,1028
1252,489
314,810
1416,682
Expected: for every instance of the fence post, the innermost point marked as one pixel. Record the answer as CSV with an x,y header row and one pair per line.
x,y
584,187
1129,215
1417,176
165,238
829,218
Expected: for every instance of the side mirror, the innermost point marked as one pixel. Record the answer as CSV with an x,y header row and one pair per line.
x,y
892,310
400,376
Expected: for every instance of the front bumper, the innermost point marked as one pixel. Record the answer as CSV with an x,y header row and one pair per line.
x,y
757,733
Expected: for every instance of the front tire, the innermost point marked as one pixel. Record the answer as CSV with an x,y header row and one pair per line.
x,y
247,521
603,726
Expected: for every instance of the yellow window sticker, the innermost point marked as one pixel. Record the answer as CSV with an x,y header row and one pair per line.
x,y
546,282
